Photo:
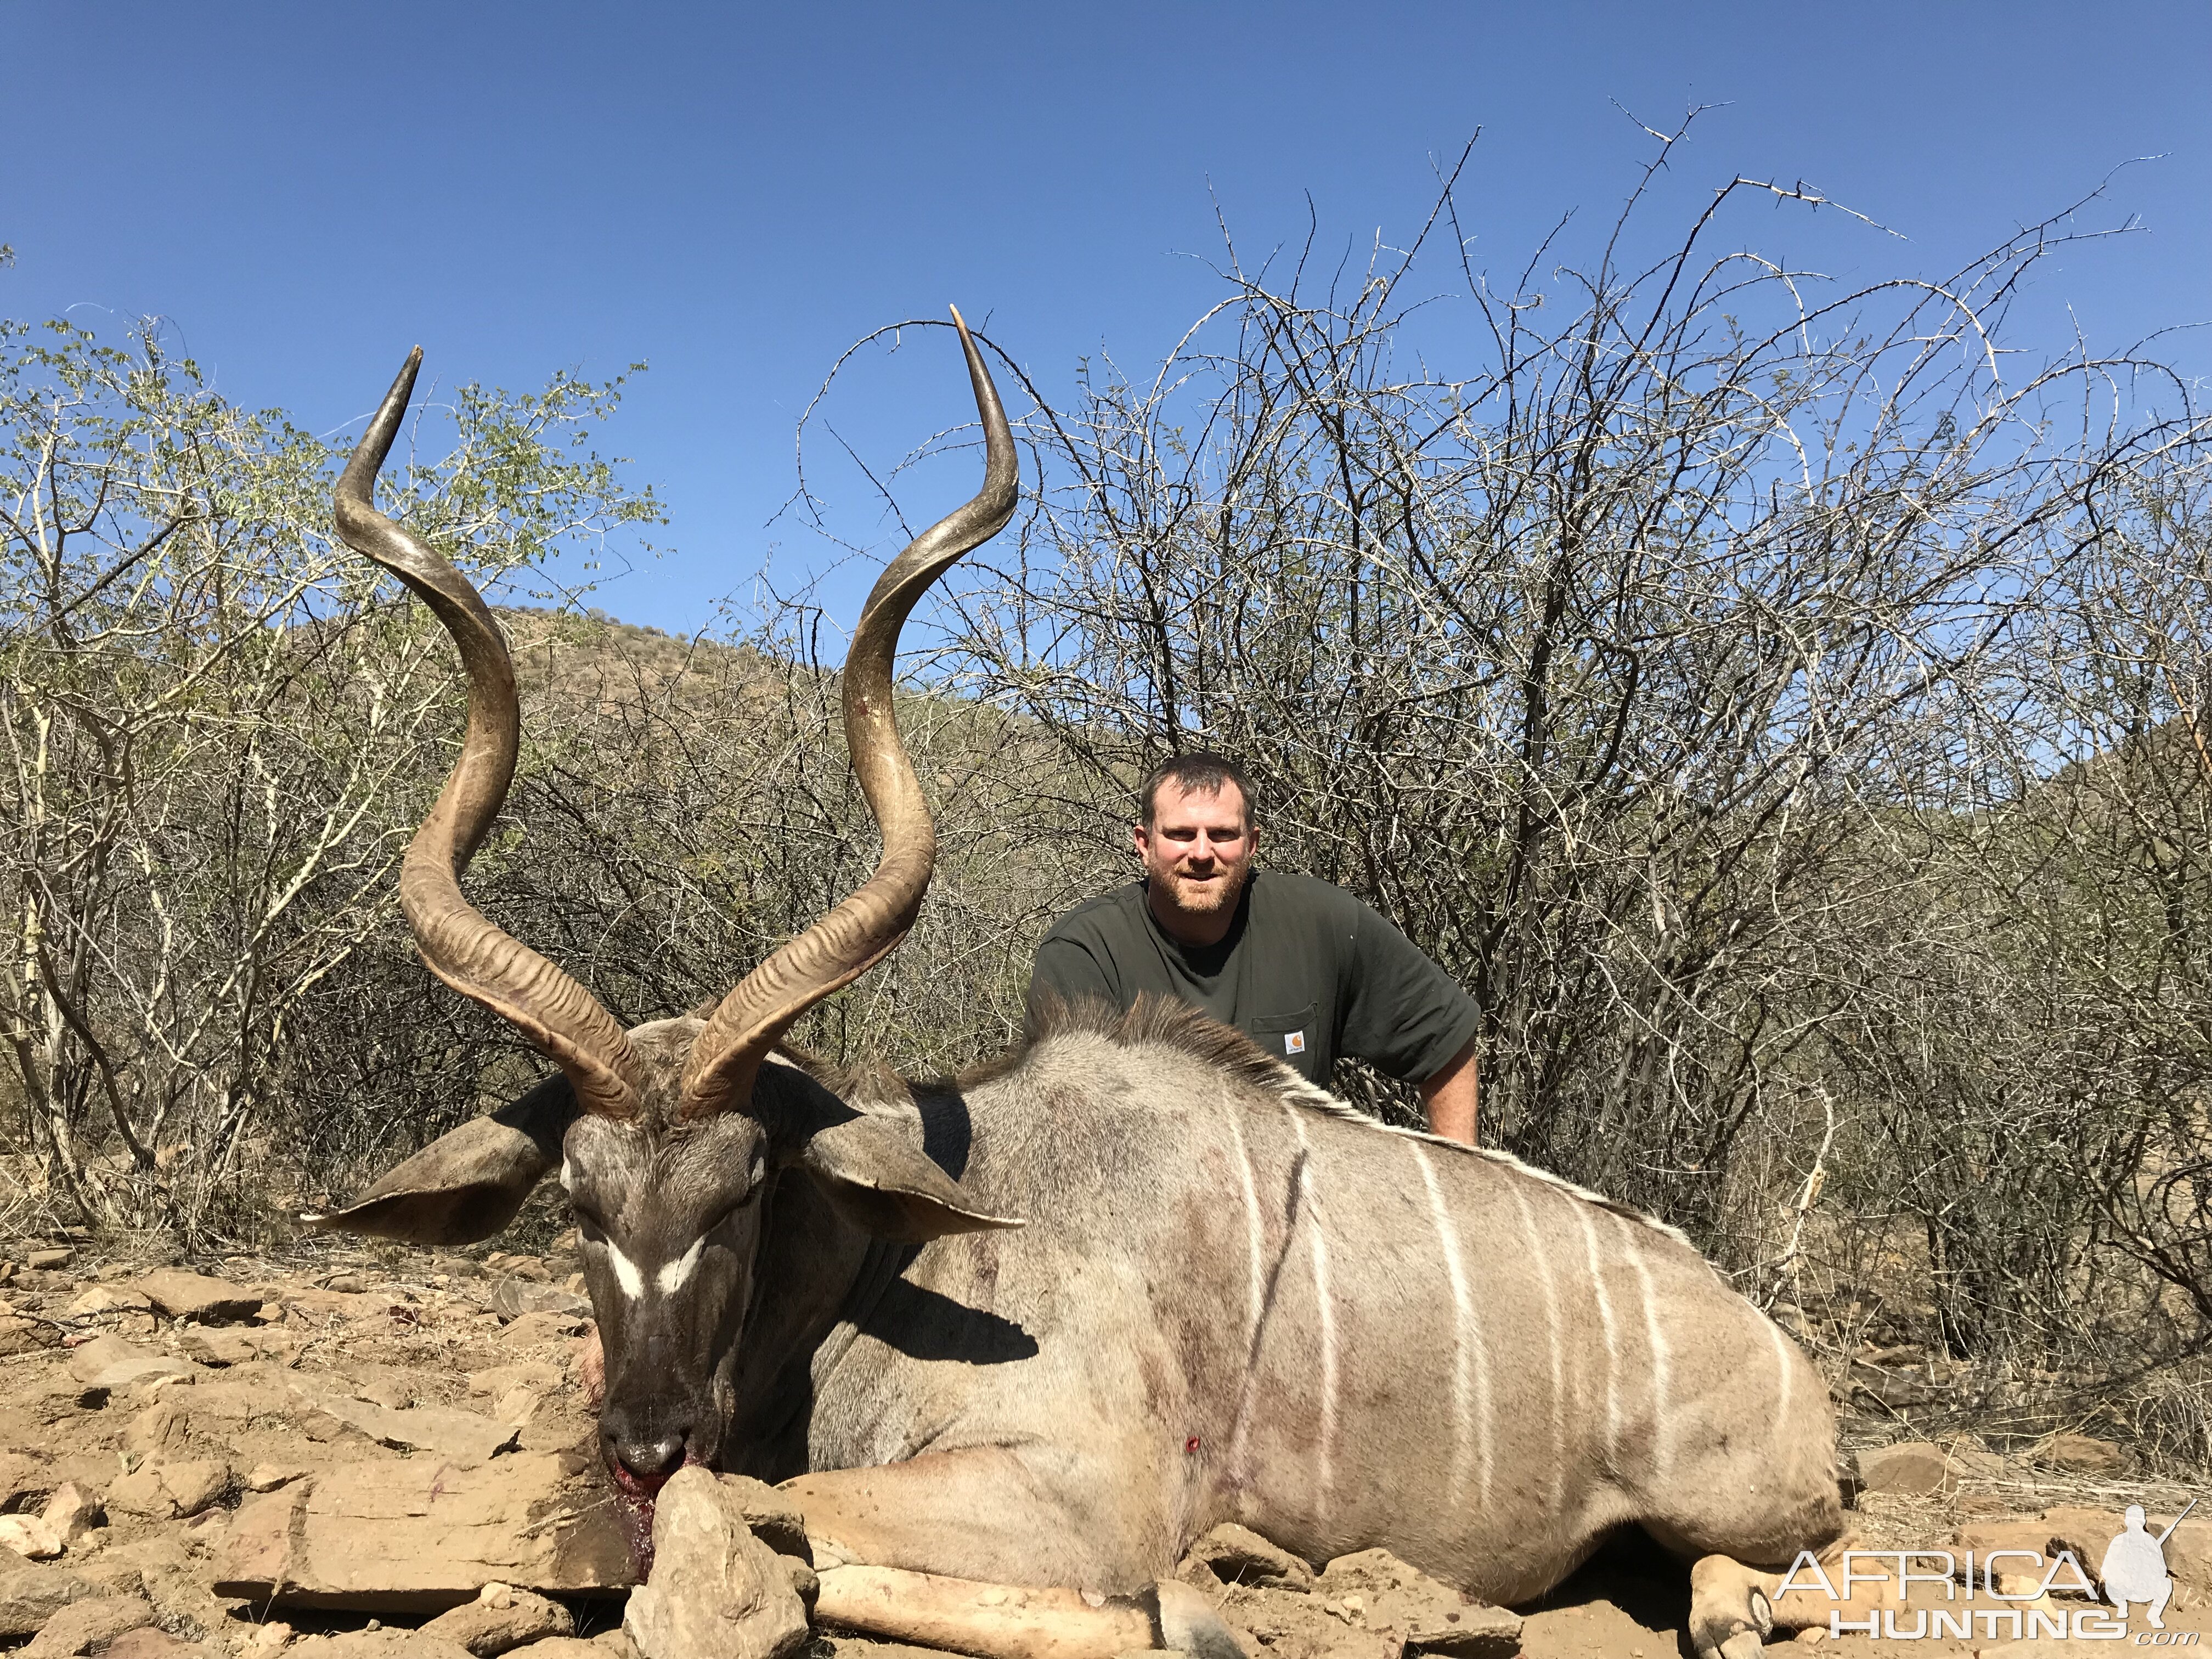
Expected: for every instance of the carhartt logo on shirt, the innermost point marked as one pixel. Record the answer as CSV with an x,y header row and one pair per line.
x,y
1294,1043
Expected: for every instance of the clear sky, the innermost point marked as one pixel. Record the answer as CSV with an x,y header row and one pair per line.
x,y
736,193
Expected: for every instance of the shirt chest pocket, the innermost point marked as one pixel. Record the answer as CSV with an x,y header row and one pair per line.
x,y
1290,1038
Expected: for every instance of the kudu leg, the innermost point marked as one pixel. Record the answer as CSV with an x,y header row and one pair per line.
x,y
973,1551
997,1621
1732,1605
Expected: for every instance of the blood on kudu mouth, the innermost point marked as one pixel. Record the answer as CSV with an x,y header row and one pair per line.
x,y
635,1498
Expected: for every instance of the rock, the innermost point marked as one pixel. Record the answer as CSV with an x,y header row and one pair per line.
x,y
2083,1532
195,1483
420,1535
381,1385
615,1644
375,1644
44,1261
1284,1625
110,1362
24,1481
240,1394
536,1375
141,1492
512,1298
1493,1633
1237,1555
2087,1532
31,1592
1910,1466
533,1328
465,1437
774,1520
517,1406
222,1347
72,1513
717,1592
805,1583
2081,1453
30,1537
1985,1505
279,1345
151,1641
163,1566
183,1294
20,1334
267,1477
2187,1554
106,1298
1383,1593
163,1430
500,1618
1976,1462
267,1639
81,1624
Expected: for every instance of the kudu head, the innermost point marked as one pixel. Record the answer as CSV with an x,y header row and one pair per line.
x,y
670,1138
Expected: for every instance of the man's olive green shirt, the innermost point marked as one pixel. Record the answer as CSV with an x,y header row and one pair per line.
x,y
1306,971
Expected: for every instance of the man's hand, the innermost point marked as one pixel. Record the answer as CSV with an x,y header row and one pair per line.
x,y
1451,1097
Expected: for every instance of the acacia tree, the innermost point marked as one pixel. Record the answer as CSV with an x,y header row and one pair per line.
x,y
219,729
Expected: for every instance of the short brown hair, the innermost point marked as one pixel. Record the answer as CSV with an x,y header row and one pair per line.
x,y
1198,772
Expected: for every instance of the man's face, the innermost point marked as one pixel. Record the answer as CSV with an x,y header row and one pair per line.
x,y
1198,848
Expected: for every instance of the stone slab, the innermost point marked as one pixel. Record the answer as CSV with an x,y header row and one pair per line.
x,y
184,1295
420,1535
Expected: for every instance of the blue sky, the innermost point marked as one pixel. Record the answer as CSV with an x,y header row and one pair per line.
x,y
735,193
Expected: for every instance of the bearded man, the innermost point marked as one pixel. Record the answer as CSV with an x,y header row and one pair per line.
x,y
1303,968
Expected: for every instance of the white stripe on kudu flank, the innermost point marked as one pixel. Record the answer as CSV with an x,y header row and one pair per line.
x,y
1556,1407
1782,1431
1318,1242
669,1279
1587,1213
1659,1377
1470,1365
1255,1270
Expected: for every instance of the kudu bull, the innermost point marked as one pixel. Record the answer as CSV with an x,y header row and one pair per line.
x,y
1235,1299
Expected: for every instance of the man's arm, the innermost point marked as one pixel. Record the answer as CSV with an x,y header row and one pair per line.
x,y
1409,1019
1451,1097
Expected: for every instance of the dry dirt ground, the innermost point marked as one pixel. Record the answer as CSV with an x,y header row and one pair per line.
x,y
185,1447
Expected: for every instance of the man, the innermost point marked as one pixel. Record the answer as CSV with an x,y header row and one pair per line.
x,y
1303,968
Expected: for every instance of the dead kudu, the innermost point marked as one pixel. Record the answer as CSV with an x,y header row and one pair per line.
x,y
1234,1298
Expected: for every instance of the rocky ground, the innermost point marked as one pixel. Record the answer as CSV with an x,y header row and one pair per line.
x,y
337,1454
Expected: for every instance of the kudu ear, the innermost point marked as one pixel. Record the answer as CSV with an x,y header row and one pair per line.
x,y
466,1186
885,1184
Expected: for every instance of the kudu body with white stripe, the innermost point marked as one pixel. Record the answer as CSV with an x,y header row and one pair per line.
x,y
1232,1299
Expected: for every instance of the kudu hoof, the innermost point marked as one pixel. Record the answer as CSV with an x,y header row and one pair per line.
x,y
1184,1620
